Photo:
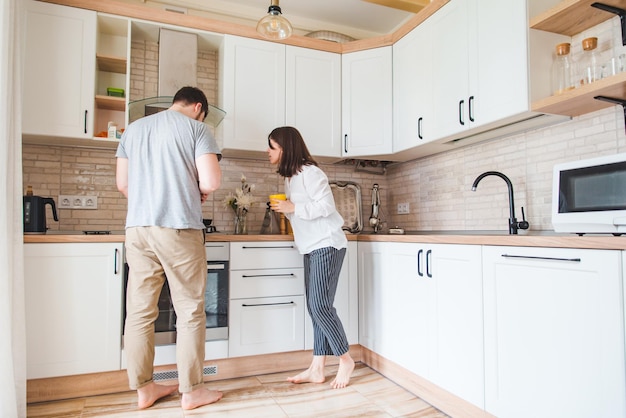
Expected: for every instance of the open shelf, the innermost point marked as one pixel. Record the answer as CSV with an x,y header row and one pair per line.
x,y
111,64
111,103
571,17
581,100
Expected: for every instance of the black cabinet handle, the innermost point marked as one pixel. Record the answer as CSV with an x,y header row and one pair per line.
x,y
419,128
247,305
471,108
115,269
345,143
461,106
531,257
248,276
266,248
419,263
85,122
429,263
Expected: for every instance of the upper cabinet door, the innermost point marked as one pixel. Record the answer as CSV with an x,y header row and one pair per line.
x,y
481,64
313,99
413,89
59,71
367,102
253,92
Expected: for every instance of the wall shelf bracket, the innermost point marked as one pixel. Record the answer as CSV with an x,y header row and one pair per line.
x,y
613,100
620,12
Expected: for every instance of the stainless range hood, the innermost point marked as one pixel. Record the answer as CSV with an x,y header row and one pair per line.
x,y
178,54
144,107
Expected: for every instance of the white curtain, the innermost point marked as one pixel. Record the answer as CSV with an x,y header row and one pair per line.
x,y
12,320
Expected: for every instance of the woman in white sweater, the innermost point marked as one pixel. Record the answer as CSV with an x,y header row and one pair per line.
x,y
310,208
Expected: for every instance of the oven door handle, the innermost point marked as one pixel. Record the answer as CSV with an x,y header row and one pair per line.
x,y
248,305
217,266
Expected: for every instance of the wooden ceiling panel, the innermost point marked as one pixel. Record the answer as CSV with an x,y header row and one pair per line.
x,y
412,6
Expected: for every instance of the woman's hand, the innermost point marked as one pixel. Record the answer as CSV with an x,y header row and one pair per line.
x,y
282,206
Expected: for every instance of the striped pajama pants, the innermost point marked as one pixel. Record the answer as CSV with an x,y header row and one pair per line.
x,y
321,274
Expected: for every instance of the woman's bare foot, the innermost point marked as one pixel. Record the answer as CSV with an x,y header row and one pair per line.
x,y
200,397
346,366
308,376
149,394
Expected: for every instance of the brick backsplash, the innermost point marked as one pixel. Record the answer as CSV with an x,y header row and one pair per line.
x,y
438,187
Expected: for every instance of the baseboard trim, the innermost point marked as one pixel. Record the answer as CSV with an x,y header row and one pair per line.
x,y
422,388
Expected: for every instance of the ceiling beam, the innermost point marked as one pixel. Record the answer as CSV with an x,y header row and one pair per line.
x,y
412,6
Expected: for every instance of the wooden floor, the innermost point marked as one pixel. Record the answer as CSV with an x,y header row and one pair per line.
x,y
368,395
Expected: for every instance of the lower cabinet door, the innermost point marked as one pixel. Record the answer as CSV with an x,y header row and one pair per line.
x,y
266,325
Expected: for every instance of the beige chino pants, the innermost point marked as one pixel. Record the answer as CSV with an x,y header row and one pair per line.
x,y
154,253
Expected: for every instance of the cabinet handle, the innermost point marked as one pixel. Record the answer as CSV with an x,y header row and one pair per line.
x,y
471,108
574,260
429,263
248,276
419,264
267,248
247,305
419,128
115,269
461,105
85,122
345,143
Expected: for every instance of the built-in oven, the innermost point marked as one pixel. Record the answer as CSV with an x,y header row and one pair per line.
x,y
215,299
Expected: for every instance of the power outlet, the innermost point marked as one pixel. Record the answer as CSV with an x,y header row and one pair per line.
x,y
403,208
77,202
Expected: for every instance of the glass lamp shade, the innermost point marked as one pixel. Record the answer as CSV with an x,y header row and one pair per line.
x,y
274,26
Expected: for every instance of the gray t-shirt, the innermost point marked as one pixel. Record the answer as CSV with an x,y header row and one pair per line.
x,y
162,174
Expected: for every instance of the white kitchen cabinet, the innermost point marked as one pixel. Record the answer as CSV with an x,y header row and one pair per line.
x,y
439,296
422,309
554,332
481,57
266,309
313,99
367,107
413,89
73,308
59,71
252,92
370,273
346,300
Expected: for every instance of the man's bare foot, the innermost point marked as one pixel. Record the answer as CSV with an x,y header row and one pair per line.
x,y
200,397
346,366
149,394
309,376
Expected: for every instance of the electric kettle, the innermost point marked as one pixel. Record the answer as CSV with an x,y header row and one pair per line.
x,y
35,214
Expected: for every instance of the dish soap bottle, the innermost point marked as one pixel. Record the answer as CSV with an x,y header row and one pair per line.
x,y
562,70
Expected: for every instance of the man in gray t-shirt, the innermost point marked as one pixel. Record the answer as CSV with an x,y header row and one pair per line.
x,y
167,164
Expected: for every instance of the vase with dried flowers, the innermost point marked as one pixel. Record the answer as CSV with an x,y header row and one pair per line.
x,y
240,202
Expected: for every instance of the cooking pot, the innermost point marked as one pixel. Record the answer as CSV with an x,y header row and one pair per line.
x,y
35,214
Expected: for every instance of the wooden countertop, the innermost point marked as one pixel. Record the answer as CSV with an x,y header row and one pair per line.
x,y
605,242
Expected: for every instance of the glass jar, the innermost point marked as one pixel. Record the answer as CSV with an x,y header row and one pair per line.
x,y
590,69
562,70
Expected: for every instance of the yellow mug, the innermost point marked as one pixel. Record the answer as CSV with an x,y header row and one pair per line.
x,y
280,196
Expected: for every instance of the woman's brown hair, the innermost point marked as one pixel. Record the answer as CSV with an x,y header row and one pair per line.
x,y
295,153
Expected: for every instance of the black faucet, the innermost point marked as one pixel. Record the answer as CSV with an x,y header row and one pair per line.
x,y
513,224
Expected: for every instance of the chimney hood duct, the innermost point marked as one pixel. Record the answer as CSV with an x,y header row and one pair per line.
x,y
178,63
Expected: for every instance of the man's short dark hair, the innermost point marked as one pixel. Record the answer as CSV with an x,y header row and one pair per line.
x,y
192,95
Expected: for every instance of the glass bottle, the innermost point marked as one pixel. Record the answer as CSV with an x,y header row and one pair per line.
x,y
590,70
562,70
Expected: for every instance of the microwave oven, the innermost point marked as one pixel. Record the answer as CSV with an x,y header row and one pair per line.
x,y
589,196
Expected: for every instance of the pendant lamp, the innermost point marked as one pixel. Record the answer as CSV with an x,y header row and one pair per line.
x,y
274,25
